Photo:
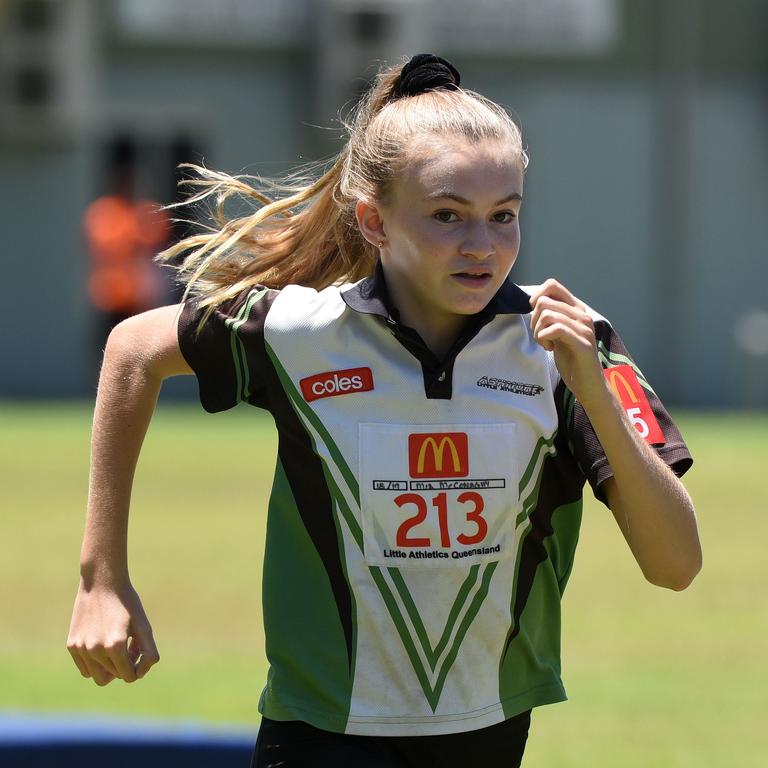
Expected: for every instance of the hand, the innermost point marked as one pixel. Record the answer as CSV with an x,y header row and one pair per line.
x,y
561,323
110,636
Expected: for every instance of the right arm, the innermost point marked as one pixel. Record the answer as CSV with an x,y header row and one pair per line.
x,y
110,635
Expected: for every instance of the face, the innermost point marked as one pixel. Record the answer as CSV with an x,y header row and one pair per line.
x,y
450,230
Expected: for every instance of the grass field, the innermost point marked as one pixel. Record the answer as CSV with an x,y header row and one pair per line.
x,y
657,679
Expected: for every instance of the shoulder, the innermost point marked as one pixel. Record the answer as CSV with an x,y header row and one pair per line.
x,y
297,307
199,316
294,306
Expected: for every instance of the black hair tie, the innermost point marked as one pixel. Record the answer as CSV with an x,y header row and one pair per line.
x,y
425,72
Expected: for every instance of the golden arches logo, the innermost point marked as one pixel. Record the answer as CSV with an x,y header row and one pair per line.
x,y
438,454
615,377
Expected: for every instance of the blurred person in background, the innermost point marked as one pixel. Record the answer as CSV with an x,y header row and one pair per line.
x,y
123,233
437,424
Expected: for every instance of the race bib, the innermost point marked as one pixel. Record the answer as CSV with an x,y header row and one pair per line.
x,y
437,495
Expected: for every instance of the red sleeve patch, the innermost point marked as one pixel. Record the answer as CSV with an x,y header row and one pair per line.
x,y
623,381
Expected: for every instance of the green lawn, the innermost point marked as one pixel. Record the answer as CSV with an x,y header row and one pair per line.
x,y
657,679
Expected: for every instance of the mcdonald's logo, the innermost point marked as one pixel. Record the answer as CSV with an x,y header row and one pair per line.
x,y
438,454
625,385
617,376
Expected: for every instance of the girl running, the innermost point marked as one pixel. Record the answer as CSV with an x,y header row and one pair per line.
x,y
436,423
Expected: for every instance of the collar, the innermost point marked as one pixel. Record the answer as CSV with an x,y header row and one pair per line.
x,y
371,297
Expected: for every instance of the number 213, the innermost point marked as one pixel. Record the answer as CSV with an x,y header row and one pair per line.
x,y
440,502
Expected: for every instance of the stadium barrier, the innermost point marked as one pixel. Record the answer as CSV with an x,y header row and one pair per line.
x,y
69,741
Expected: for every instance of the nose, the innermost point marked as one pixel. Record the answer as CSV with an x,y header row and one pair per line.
x,y
478,242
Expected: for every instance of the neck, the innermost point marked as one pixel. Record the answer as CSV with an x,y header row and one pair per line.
x,y
439,336
438,331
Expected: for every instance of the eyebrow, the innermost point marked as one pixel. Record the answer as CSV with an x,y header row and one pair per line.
x,y
444,194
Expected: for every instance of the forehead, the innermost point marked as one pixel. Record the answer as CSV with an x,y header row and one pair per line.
x,y
475,170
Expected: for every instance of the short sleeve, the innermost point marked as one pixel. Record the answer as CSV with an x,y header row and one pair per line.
x,y
227,352
585,446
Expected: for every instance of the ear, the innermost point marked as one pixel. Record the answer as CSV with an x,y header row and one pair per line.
x,y
370,222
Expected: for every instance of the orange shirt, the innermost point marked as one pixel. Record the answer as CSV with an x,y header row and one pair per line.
x,y
122,237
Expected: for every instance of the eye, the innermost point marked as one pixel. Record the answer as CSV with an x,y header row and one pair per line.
x,y
504,217
446,217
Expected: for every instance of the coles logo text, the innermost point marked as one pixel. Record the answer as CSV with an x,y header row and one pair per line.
x,y
335,383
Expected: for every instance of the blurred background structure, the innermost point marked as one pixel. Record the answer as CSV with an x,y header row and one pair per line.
x,y
647,125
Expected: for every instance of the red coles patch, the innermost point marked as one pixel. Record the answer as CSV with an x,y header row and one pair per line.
x,y
335,383
629,391
438,454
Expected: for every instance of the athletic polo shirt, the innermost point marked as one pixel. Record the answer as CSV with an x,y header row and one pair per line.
x,y
424,514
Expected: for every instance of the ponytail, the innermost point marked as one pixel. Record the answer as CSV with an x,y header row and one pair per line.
x,y
301,236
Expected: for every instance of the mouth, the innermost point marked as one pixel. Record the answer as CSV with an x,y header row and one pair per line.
x,y
474,278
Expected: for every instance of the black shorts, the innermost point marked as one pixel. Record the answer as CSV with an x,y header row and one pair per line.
x,y
295,744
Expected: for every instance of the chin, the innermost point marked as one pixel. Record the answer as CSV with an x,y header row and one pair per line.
x,y
468,308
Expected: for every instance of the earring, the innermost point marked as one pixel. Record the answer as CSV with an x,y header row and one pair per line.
x,y
381,243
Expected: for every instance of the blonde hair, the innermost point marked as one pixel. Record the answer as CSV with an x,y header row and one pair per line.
x,y
303,229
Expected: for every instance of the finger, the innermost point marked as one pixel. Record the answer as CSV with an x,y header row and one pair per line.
x,y
547,306
145,642
102,678
147,660
563,333
100,675
117,654
100,656
79,662
555,331
578,325
555,290
133,651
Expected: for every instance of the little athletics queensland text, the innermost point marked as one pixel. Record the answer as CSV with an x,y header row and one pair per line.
x,y
430,554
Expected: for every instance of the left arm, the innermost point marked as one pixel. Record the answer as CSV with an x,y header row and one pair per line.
x,y
650,504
